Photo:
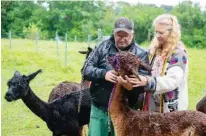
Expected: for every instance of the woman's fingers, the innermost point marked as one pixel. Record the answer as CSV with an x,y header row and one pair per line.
x,y
124,83
135,86
127,78
135,81
123,80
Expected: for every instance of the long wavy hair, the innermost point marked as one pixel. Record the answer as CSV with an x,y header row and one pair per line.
x,y
173,40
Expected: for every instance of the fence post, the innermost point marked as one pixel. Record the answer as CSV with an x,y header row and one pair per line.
x,y
10,39
89,40
66,49
57,44
99,34
75,38
37,41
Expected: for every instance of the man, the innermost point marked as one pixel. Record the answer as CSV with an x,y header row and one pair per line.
x,y
102,76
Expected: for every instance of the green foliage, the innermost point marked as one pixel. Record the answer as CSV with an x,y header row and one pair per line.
x,y
83,18
6,7
193,23
143,16
17,16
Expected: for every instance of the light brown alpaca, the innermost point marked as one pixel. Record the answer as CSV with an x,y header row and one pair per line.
x,y
128,122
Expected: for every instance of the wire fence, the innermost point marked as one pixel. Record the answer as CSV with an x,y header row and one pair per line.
x,y
62,45
59,49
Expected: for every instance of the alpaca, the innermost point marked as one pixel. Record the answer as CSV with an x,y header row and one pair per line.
x,y
62,89
201,105
89,50
61,115
66,87
128,122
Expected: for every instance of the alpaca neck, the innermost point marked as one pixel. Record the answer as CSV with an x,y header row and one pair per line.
x,y
36,105
118,107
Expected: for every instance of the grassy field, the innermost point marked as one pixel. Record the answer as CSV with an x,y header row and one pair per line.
x,y
18,120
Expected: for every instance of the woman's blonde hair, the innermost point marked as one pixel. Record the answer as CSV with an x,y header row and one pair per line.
x,y
173,40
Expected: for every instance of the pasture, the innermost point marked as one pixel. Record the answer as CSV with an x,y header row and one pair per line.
x,y
18,120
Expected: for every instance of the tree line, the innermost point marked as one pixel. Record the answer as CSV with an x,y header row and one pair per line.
x,y
82,18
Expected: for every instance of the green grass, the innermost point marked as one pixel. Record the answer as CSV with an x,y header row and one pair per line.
x,y
18,120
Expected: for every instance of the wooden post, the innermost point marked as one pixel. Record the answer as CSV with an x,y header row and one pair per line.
x,y
99,34
10,39
66,49
75,38
57,44
37,41
89,40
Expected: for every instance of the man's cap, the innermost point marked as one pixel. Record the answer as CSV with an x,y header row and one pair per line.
x,y
123,24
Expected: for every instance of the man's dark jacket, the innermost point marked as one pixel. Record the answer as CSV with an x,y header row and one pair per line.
x,y
96,67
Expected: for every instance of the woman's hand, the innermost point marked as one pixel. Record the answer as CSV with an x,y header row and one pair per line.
x,y
124,83
135,81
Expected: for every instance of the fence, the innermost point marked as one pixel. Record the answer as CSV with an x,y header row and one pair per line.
x,y
60,42
62,51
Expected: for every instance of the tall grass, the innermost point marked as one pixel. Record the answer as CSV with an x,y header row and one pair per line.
x,y
18,120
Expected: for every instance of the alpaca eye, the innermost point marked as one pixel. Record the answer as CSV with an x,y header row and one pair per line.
x,y
15,84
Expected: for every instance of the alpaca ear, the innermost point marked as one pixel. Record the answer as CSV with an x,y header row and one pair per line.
x,y
89,49
17,73
135,72
33,75
146,66
83,52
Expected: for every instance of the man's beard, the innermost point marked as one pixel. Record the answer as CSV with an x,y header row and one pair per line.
x,y
121,46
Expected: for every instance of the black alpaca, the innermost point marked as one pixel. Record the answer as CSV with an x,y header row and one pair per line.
x,y
61,115
89,50
66,87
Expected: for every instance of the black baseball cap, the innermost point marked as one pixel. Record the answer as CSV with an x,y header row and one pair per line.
x,y
123,24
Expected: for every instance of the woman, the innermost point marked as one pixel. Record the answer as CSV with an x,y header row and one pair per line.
x,y
167,87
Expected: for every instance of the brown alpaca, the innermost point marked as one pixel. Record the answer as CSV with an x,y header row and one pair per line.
x,y
128,122
67,87
201,105
62,89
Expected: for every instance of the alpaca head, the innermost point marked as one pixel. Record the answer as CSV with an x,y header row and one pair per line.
x,y
89,50
18,86
126,63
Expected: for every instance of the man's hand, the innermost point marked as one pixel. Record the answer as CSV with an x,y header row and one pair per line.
x,y
111,76
124,83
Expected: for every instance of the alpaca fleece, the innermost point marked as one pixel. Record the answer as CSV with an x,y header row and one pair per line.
x,y
61,115
128,122
201,105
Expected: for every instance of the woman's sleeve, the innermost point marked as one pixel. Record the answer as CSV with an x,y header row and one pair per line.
x,y
173,76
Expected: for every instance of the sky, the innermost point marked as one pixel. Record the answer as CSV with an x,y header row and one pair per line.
x,y
165,2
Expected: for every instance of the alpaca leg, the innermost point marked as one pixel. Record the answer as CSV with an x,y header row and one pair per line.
x,y
80,131
84,130
55,135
